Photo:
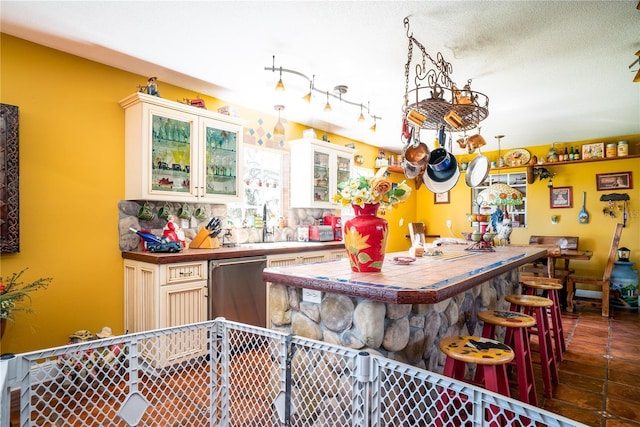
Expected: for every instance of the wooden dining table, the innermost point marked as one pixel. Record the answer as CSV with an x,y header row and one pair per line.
x,y
566,254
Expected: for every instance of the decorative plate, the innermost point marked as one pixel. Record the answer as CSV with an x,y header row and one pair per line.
x,y
403,260
517,157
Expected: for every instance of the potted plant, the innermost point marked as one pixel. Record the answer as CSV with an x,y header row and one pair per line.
x,y
14,296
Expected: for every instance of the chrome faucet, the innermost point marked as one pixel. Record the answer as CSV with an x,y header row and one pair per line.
x,y
265,228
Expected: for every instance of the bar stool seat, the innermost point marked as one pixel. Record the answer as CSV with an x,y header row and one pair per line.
x,y
550,290
489,355
537,306
517,337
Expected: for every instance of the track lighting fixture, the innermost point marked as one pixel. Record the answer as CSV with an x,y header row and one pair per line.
x,y
338,91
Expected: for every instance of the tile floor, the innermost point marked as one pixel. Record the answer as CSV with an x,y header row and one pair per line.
x,y
600,374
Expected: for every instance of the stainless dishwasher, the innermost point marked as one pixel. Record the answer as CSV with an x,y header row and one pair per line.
x,y
237,291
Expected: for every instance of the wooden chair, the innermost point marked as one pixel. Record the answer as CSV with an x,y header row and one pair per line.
x,y
419,229
603,282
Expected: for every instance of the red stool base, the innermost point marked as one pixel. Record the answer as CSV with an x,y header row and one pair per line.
x,y
516,337
537,307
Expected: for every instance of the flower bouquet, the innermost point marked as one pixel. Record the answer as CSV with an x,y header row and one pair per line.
x,y
372,190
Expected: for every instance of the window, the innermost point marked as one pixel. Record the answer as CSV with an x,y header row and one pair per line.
x,y
517,180
262,175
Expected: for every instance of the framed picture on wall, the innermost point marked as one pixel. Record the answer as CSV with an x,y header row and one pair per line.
x,y
593,151
441,198
561,197
613,181
9,172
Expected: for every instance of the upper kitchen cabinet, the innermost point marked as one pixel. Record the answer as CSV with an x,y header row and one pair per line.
x,y
177,152
316,169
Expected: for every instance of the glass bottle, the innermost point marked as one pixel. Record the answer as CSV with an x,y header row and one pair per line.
x,y
552,155
566,154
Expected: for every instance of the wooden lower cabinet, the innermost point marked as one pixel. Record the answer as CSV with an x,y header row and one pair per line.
x,y
305,257
162,296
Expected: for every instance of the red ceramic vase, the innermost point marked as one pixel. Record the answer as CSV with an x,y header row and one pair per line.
x,y
365,237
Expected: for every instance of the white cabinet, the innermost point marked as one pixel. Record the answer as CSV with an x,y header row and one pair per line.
x,y
178,152
282,260
336,254
162,296
317,167
517,180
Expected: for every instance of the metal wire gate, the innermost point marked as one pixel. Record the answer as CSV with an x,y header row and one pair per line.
x,y
221,373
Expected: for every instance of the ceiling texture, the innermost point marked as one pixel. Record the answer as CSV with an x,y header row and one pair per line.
x,y
554,71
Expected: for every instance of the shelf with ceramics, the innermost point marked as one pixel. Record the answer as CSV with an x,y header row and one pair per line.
x,y
562,163
529,167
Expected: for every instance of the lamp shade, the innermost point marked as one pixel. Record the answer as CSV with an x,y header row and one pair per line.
x,y
500,195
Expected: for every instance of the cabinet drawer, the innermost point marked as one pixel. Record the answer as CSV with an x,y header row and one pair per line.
x,y
183,272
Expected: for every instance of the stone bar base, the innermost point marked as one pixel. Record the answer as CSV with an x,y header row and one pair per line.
x,y
408,333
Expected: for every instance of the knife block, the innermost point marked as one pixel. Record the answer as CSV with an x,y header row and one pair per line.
x,y
203,240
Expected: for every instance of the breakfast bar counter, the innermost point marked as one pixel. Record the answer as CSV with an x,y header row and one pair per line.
x,y
427,280
401,312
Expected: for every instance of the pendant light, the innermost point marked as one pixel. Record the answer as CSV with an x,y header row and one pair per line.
x,y
307,97
280,85
327,107
278,130
361,118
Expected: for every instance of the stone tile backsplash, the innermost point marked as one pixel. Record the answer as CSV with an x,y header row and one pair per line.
x,y
128,218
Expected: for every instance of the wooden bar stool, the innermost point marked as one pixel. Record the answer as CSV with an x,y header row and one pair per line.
x,y
537,306
491,358
517,337
550,290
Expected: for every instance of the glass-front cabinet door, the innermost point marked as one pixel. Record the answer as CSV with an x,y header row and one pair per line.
x,y
343,168
171,148
222,157
321,162
178,152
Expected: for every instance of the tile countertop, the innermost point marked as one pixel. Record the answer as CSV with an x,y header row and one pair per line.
x,y
428,280
243,250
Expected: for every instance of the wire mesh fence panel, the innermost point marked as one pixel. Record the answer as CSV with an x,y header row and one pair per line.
x,y
321,384
221,373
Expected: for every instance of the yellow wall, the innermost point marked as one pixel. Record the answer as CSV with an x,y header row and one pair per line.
x,y
72,177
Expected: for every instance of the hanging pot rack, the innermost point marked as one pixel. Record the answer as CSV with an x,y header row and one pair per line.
x,y
435,100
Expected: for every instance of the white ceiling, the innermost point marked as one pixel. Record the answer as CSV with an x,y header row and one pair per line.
x,y
553,70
